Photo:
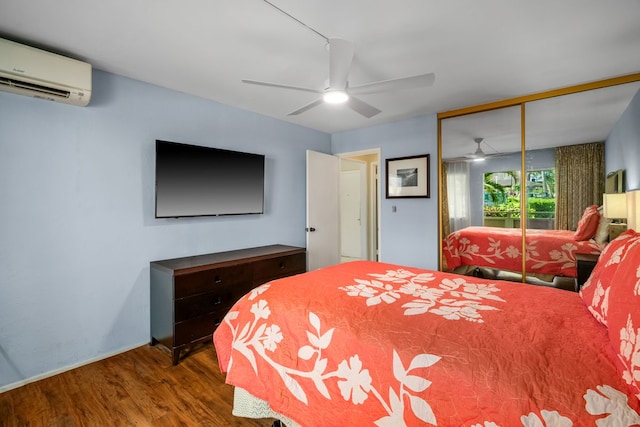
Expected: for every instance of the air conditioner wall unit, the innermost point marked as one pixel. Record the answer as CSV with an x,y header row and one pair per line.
x,y
34,72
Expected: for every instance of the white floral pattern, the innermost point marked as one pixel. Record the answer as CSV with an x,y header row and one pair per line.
x,y
256,292
321,372
599,306
453,299
546,251
605,401
616,256
546,419
564,257
353,379
630,352
612,403
356,383
465,249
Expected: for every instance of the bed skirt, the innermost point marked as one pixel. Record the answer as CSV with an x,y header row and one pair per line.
x,y
248,406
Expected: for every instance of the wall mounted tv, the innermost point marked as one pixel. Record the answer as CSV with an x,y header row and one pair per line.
x,y
202,181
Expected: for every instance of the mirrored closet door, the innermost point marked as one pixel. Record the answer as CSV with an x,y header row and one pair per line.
x,y
481,160
512,169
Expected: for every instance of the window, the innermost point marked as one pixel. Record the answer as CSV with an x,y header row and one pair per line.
x,y
502,193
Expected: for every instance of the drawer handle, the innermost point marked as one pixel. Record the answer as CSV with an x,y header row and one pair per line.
x,y
217,279
281,265
217,300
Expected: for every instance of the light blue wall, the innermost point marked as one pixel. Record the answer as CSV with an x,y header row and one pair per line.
x,y
622,149
410,235
77,216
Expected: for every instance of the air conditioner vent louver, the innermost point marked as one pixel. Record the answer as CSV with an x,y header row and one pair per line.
x,y
25,70
34,87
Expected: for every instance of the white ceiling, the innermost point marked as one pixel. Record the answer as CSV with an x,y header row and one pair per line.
x,y
480,51
577,118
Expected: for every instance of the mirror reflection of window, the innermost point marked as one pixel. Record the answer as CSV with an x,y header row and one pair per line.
x,y
501,199
541,199
502,193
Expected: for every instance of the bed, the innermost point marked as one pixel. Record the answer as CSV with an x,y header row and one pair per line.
x,y
548,252
374,344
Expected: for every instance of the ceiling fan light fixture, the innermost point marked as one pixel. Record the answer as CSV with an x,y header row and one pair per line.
x,y
335,97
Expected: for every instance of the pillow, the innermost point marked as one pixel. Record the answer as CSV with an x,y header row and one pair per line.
x,y
595,291
602,232
588,224
624,314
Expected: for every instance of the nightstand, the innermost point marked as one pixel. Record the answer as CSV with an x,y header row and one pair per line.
x,y
585,265
615,229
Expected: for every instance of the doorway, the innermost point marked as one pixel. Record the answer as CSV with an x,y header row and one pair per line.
x,y
359,205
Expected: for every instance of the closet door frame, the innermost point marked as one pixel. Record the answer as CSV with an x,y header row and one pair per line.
x,y
511,102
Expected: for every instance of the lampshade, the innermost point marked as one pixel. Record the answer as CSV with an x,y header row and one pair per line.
x,y
633,209
615,205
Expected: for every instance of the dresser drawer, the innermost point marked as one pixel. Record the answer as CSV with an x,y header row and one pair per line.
x,y
190,296
210,280
197,305
198,327
273,268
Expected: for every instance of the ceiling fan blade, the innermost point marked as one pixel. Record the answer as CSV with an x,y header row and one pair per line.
x,y
395,84
340,58
457,159
361,107
306,107
303,89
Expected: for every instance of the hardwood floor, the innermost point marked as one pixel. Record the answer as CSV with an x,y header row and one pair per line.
x,y
137,388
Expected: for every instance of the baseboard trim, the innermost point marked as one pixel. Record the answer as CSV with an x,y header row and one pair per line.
x,y
68,368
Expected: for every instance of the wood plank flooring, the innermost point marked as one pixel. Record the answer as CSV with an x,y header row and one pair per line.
x,y
136,388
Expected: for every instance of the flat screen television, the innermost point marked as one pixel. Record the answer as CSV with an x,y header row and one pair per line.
x,y
202,181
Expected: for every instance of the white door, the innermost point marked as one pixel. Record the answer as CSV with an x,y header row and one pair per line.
x,y
350,216
353,210
323,214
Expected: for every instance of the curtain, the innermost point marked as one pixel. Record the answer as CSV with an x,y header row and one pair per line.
x,y
458,196
579,181
446,223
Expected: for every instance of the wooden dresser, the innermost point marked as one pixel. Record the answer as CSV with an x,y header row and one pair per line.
x,y
191,295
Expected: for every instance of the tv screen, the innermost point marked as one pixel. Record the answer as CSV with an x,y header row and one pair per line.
x,y
202,181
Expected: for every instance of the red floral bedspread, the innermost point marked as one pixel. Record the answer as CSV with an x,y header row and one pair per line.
x,y
373,344
548,251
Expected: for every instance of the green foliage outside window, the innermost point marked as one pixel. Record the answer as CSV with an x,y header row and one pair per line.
x,y
541,208
508,209
503,201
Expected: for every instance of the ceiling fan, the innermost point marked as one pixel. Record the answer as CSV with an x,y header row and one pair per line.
x,y
341,54
477,156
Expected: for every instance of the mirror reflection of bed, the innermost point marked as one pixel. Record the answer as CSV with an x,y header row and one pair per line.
x,y
558,181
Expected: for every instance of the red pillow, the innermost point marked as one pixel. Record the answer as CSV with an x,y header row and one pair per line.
x,y
588,224
624,314
595,291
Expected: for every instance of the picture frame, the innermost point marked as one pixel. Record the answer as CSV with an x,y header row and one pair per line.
x,y
408,177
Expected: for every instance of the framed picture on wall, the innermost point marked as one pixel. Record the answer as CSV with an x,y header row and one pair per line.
x,y
408,177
